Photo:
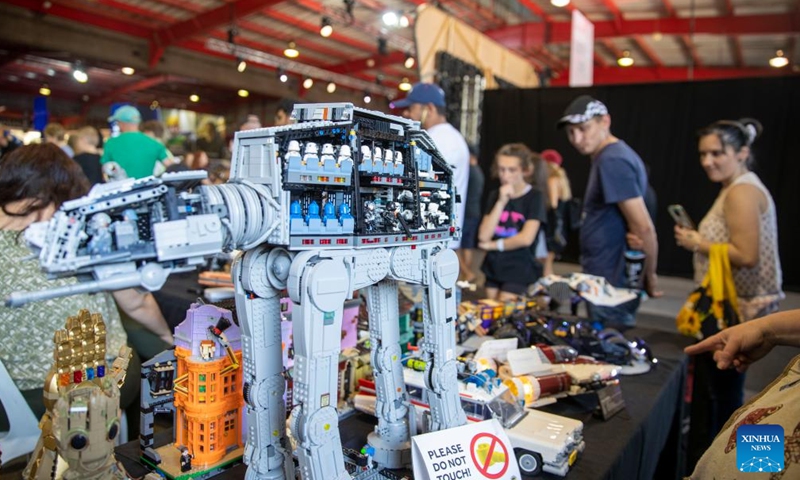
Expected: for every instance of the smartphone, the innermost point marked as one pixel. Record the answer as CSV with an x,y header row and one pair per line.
x,y
680,216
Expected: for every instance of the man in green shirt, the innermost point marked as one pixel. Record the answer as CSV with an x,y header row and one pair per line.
x,y
135,153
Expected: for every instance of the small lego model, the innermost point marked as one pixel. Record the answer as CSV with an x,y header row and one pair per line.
x,y
202,380
82,420
271,209
541,441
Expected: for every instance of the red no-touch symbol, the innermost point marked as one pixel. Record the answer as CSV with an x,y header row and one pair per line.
x,y
492,446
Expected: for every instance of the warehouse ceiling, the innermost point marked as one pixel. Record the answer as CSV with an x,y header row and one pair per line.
x,y
667,40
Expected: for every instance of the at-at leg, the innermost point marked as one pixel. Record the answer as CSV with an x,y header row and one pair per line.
x,y
390,439
439,315
258,310
320,286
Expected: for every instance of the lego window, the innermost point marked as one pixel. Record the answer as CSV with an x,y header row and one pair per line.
x,y
202,426
225,391
202,389
212,425
202,377
213,376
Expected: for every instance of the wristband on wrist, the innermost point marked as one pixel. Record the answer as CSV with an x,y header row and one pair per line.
x,y
499,244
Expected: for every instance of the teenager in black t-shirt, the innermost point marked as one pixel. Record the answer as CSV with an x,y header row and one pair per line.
x,y
508,231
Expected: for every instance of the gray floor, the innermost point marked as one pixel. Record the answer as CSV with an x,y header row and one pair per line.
x,y
659,313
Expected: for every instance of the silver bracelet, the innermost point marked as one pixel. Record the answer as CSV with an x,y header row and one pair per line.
x,y
499,245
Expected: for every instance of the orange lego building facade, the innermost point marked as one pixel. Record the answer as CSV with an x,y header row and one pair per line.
x,y
208,390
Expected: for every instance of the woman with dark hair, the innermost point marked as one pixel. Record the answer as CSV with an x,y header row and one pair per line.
x,y
743,217
34,181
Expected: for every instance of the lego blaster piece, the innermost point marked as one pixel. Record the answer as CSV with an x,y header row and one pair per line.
x,y
218,333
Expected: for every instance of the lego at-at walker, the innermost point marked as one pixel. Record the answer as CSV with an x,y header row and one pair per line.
x,y
81,395
373,206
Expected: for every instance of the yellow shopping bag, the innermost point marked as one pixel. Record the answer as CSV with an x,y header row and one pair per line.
x,y
713,306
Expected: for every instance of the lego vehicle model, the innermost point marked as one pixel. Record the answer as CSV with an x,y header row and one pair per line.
x,y
541,441
344,199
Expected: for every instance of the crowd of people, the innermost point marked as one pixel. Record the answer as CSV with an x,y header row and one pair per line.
x,y
522,228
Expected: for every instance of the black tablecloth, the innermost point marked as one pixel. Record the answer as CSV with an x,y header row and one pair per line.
x,y
177,294
640,442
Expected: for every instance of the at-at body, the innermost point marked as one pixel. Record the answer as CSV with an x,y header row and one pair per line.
x,y
343,200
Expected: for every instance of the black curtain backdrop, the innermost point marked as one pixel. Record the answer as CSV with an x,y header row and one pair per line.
x,y
660,121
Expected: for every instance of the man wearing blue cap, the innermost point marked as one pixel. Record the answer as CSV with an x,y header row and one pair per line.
x,y
425,104
134,152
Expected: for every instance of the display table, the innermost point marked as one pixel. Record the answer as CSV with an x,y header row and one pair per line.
x,y
628,446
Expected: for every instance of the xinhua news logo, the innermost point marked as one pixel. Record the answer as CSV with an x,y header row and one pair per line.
x,y
759,448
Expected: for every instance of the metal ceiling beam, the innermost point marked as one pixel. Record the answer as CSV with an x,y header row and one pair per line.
x,y
736,50
205,22
615,11
690,50
304,42
536,10
599,60
82,16
612,75
648,51
144,84
361,64
668,8
314,29
527,35
134,10
727,8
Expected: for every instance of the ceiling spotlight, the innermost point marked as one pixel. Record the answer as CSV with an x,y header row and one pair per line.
x,y
559,3
326,28
409,63
370,63
282,75
128,70
404,21
79,75
625,60
241,64
308,83
291,50
778,61
85,98
243,93
390,19
331,87
367,98
44,90
405,85
194,98
51,72
657,36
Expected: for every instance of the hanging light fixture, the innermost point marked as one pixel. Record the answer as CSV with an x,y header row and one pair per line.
x,y
326,28
291,50
194,98
128,70
308,83
778,61
405,85
79,74
44,90
625,60
404,21
559,3
241,64
409,63
282,75
390,19
243,93
331,87
367,98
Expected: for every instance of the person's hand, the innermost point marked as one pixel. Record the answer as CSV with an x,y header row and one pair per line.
x,y
505,193
687,238
736,347
651,286
634,242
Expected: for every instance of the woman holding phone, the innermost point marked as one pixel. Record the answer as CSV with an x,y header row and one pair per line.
x,y
743,216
